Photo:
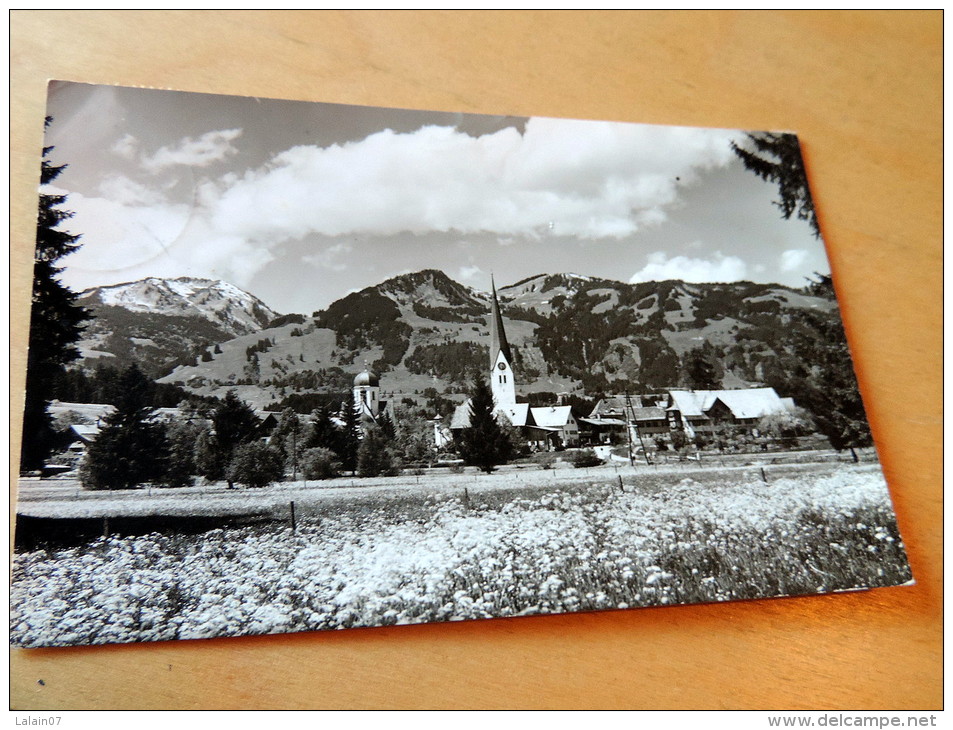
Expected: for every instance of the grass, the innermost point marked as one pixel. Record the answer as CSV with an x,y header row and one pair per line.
x,y
502,551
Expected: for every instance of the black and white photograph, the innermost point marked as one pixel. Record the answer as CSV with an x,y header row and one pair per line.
x,y
301,366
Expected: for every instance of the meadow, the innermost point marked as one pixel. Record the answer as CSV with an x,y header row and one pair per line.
x,y
444,555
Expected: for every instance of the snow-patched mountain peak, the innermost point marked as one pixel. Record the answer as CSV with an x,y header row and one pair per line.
x,y
220,302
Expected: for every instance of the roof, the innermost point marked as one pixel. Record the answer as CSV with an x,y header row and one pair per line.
x,y
688,402
614,422
518,414
461,416
743,403
552,416
498,341
751,403
615,404
648,413
85,433
366,377
92,411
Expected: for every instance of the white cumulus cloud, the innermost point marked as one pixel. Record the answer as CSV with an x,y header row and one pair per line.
x,y
210,147
470,273
589,180
718,269
793,259
585,179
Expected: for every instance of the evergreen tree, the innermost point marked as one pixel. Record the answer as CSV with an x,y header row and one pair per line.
x,y
289,438
386,427
234,423
323,433
56,321
209,459
828,389
130,449
348,437
777,158
701,368
484,443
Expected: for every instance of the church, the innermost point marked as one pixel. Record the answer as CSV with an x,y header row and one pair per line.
x,y
367,400
546,427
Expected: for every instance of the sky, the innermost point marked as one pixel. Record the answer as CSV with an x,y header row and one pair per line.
x,y
301,203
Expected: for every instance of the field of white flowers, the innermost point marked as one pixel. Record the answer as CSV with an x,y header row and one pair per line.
x,y
442,558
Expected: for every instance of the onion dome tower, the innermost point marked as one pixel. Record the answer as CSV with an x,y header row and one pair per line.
x,y
367,393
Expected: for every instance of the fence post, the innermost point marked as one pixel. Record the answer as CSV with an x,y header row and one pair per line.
x,y
764,477
621,488
293,526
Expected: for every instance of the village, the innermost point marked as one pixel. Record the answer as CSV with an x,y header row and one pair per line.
x,y
674,423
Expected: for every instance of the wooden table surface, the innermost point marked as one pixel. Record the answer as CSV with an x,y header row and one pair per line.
x,y
863,90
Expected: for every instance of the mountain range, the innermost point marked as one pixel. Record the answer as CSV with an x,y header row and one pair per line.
x,y
159,323
567,332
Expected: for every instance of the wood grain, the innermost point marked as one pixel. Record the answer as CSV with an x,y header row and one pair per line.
x,y
862,89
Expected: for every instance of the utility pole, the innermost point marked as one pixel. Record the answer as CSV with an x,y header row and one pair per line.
x,y
294,462
638,431
628,427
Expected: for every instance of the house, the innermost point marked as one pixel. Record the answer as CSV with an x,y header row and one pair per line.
x,y
561,427
698,411
610,415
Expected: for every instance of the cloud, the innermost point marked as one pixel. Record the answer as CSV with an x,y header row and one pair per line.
x,y
720,269
585,179
125,191
124,240
793,259
126,147
470,273
329,258
210,147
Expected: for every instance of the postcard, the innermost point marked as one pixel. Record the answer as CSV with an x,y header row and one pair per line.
x,y
301,366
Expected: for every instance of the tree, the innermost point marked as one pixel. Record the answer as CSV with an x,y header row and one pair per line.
x,y
415,440
209,460
348,437
234,423
828,387
777,158
679,440
323,433
181,466
386,426
255,464
320,463
288,438
701,368
56,320
785,426
484,443
130,449
376,456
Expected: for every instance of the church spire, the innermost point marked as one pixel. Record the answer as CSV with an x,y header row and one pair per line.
x,y
498,341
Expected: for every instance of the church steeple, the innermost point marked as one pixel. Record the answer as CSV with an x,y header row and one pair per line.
x,y
498,341
501,368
